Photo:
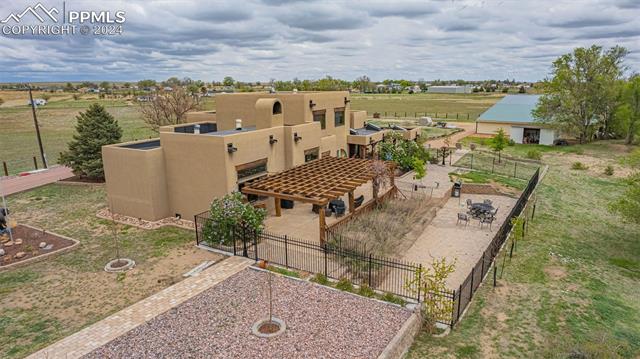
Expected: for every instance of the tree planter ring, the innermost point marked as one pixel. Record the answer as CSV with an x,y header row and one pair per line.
x,y
255,330
117,265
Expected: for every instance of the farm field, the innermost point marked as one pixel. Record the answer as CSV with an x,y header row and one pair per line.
x,y
45,301
407,105
18,143
571,288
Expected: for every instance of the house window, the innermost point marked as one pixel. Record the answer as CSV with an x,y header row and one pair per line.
x,y
251,170
320,116
339,116
311,154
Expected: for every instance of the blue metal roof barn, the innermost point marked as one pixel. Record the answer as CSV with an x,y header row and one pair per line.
x,y
512,109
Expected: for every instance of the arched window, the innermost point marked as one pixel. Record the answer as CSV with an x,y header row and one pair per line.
x,y
277,108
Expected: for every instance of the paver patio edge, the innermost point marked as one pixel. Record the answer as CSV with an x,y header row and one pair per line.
x,y
102,332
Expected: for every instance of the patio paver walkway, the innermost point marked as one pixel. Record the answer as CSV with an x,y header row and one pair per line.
x,y
102,332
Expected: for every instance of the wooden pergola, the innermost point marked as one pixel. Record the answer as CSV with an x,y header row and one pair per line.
x,y
316,182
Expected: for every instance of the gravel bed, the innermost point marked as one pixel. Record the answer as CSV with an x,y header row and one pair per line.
x,y
321,323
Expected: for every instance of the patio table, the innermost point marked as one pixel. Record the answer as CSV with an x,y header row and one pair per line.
x,y
481,207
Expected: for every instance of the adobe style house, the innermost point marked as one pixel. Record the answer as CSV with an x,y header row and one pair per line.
x,y
249,136
513,115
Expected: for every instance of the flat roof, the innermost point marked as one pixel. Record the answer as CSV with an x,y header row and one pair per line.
x,y
147,145
512,108
230,132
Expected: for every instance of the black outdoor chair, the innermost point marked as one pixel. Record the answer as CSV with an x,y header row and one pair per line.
x,y
469,202
486,220
463,217
358,201
487,201
285,203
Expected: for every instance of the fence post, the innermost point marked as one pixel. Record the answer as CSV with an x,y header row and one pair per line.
x,y
493,164
6,170
325,258
233,238
472,275
419,281
533,211
35,162
482,267
459,302
255,244
467,116
244,243
515,169
457,115
369,270
513,243
495,272
472,161
286,252
195,222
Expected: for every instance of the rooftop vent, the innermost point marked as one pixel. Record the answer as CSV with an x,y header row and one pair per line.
x,y
238,124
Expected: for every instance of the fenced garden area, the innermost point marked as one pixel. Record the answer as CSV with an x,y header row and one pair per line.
x,y
500,165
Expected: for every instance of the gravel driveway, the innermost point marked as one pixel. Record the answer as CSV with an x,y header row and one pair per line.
x,y
321,323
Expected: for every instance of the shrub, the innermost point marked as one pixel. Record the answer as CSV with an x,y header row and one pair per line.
x,y
320,279
512,142
578,166
366,291
534,155
608,170
472,146
284,271
345,284
389,297
228,214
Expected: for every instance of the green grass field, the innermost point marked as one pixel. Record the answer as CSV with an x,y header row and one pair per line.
x,y
572,287
410,105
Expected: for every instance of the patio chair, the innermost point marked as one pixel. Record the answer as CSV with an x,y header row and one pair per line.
x,y
339,209
494,212
486,220
469,202
463,217
358,201
487,201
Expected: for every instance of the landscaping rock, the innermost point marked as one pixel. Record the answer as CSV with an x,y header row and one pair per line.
x,y
20,255
42,245
48,247
18,241
2,252
8,244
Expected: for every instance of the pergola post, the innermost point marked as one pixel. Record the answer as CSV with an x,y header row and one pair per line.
x,y
322,223
278,206
351,202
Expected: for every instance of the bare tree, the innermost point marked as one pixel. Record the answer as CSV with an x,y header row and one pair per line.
x,y
168,108
381,176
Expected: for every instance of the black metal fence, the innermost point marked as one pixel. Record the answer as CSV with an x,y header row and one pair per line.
x,y
341,259
465,292
452,116
334,259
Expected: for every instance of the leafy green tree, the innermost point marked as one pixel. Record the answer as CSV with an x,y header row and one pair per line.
x,y
628,113
498,142
105,85
69,87
146,83
228,81
94,128
578,96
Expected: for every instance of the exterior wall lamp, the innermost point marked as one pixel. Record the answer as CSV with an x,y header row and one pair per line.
x,y
346,101
296,138
311,104
230,148
272,140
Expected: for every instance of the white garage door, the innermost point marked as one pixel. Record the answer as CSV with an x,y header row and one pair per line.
x,y
547,136
516,134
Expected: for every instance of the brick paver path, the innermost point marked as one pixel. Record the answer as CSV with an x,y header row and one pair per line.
x,y
11,185
102,332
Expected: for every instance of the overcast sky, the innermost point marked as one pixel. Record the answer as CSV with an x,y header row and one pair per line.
x,y
259,40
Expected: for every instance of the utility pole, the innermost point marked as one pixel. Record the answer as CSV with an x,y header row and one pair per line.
x,y
35,122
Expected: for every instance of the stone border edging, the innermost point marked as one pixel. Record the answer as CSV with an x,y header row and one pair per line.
x,y
404,338
42,256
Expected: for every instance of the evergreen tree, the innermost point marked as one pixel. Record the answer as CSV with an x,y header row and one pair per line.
x,y
95,128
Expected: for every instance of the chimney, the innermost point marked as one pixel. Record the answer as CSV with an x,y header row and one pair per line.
x,y
238,124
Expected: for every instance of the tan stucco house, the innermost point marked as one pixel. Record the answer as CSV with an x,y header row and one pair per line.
x,y
249,136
